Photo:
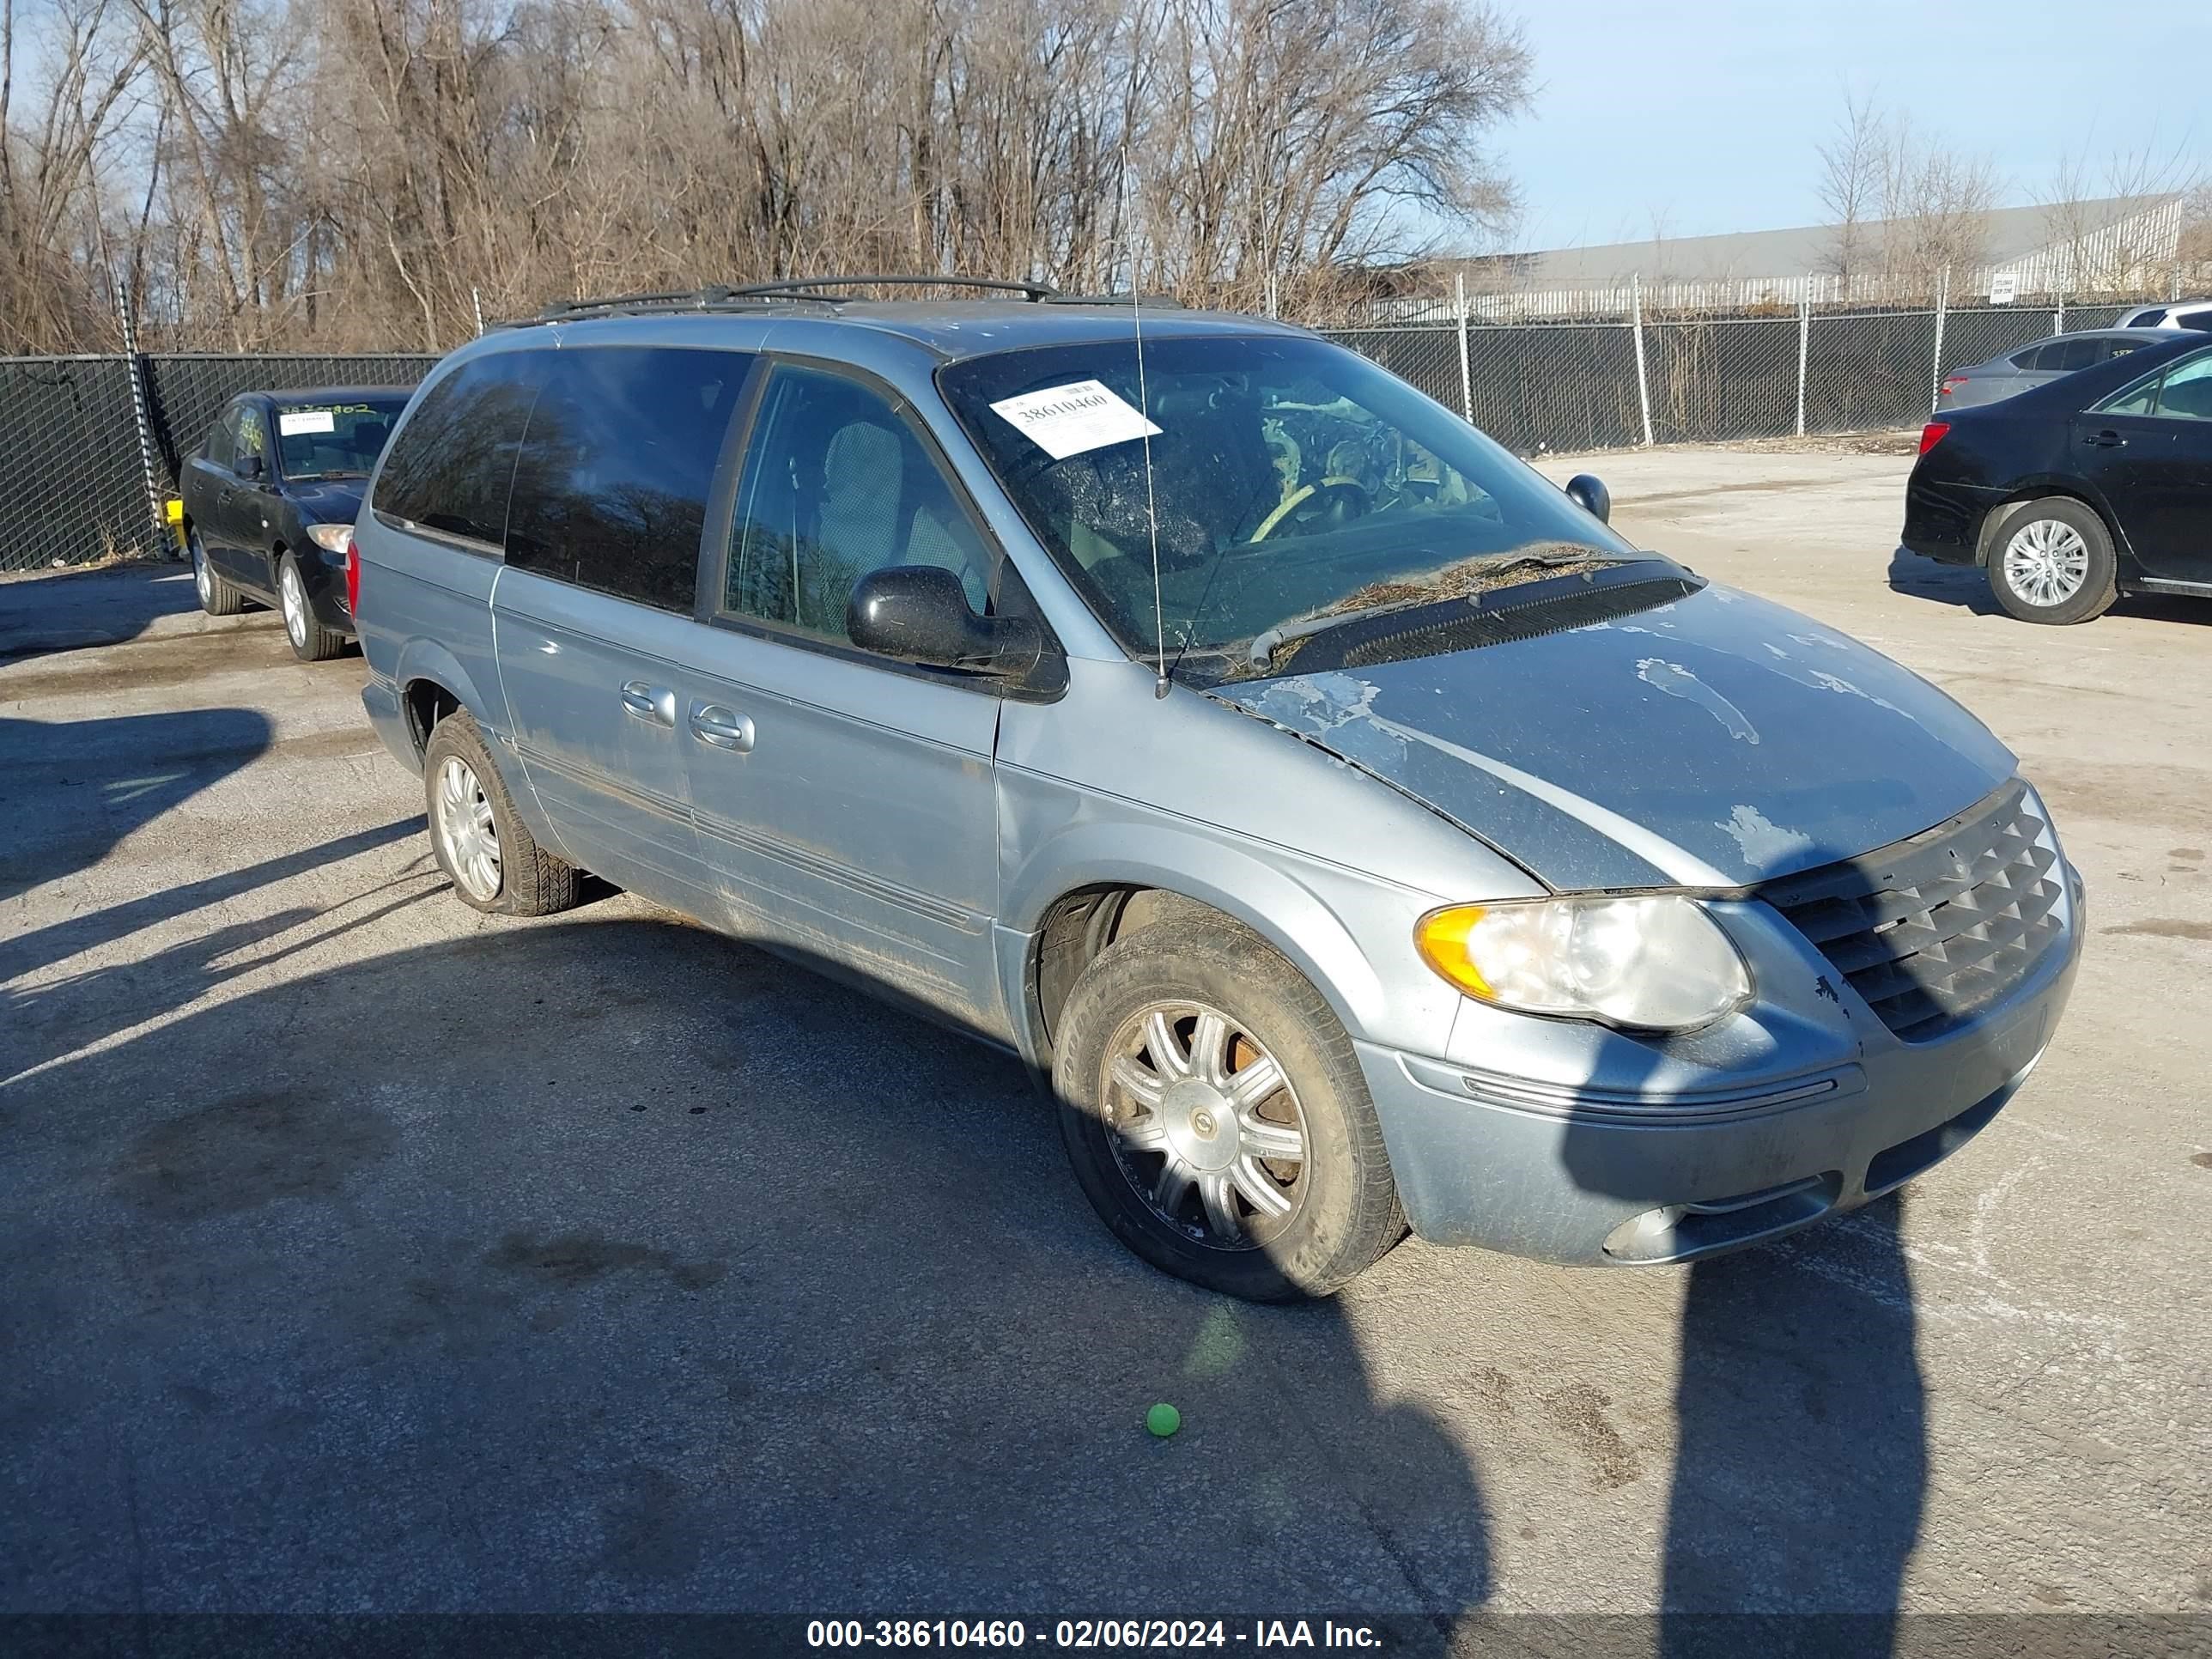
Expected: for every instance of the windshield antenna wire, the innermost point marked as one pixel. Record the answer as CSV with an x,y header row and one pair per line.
x,y
1145,415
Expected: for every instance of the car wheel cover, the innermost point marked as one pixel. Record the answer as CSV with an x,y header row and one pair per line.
x,y
2045,563
296,604
467,834
1205,1126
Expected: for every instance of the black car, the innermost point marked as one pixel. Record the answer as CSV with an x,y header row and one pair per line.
x,y
270,501
2077,491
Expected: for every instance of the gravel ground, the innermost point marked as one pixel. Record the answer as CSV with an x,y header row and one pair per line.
x,y
365,1254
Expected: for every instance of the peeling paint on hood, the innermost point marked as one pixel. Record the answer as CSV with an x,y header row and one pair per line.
x,y
1716,741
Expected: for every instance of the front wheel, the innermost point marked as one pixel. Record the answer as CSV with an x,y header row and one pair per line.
x,y
311,641
2053,563
1216,1117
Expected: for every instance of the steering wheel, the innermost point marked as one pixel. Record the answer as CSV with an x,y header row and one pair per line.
x,y
1339,498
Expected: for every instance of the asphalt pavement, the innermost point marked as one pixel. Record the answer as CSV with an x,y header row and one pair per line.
x,y
365,1254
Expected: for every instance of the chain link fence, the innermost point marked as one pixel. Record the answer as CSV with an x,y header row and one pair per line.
x,y
1672,379
76,484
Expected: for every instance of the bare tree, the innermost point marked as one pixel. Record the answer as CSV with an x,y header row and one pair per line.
x,y
1851,174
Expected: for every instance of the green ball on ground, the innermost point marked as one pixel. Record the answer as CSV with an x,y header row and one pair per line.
x,y
1163,1419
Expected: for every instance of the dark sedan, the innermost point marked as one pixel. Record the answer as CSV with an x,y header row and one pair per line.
x,y
2077,491
269,503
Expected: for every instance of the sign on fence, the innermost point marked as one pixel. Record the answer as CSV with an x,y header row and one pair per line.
x,y
2004,288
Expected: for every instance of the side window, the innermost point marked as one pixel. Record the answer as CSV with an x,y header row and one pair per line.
x,y
251,437
2187,392
617,462
2150,319
2200,320
837,485
450,466
2120,348
2067,356
2132,400
222,439
2028,361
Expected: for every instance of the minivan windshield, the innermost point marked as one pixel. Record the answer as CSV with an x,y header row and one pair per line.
x,y
334,439
1290,480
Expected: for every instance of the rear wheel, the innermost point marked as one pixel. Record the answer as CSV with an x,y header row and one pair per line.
x,y
217,597
311,641
480,841
1216,1117
2052,562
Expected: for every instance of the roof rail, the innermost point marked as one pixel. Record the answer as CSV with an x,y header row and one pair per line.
x,y
697,298
799,287
1156,301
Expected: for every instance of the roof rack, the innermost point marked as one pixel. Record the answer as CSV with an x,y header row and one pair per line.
x,y
755,296
799,287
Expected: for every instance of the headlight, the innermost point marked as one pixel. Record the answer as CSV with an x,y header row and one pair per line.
x,y
335,537
1659,963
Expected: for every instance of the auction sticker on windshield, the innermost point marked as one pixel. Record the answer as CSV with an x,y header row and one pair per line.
x,y
1067,420
292,422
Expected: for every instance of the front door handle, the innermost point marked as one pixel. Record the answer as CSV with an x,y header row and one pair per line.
x,y
724,728
652,704
2106,440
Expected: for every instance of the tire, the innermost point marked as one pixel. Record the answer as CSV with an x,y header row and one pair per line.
x,y
1343,1213
217,597
310,640
2051,562
525,879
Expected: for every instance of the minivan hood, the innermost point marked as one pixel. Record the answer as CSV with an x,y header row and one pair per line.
x,y
338,501
1716,741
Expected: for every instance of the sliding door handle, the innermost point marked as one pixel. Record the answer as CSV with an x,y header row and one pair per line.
x,y
722,728
653,704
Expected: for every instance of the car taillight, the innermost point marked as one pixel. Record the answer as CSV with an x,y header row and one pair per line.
x,y
1952,383
1932,434
352,580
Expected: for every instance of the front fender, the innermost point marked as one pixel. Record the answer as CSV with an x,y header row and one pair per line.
x,y
1315,914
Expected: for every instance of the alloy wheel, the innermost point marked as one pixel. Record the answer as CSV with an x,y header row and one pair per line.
x,y
296,604
1205,1124
202,579
467,834
2046,561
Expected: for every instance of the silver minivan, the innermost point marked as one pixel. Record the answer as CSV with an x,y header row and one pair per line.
x,y
1357,832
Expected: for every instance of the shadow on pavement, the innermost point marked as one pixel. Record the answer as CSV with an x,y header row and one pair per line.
x,y
1803,1459
611,1264
73,609
1968,586
77,787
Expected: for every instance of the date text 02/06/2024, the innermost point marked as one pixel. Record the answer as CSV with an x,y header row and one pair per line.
x,y
1084,1634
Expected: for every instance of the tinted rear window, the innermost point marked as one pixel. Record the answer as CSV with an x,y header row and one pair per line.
x,y
450,465
611,491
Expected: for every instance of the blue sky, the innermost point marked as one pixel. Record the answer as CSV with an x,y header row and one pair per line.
x,y
1707,113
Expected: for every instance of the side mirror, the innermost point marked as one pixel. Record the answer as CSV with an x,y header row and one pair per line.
x,y
248,467
1586,491
919,613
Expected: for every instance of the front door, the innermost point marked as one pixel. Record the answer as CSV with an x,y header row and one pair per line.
x,y
594,613
845,803
2151,458
241,504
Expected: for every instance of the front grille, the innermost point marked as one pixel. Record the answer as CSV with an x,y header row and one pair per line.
x,y
1932,928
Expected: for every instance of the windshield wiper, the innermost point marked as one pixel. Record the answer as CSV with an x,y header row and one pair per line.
x,y
1260,652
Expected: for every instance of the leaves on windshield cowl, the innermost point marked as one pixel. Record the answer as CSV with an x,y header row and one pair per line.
x,y
1478,575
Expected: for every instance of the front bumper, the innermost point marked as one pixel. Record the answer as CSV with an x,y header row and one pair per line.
x,y
1621,1180
322,574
